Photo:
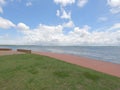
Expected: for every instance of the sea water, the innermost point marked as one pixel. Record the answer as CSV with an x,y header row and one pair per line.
x,y
104,53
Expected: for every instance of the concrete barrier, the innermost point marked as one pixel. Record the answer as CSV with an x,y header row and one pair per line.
x,y
24,50
5,49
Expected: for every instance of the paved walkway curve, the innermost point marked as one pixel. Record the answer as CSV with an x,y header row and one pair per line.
x,y
101,66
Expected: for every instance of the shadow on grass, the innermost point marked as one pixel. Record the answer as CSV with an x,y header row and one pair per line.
x,y
91,76
61,74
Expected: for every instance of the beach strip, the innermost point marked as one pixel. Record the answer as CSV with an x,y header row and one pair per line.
x,y
101,66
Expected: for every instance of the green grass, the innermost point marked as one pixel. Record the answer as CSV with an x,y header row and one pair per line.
x,y
34,72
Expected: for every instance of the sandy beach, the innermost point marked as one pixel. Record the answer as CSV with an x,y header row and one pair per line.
x,y
101,66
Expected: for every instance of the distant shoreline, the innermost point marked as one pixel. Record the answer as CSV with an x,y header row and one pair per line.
x,y
104,53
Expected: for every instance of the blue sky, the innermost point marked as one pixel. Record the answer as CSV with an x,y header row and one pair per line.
x,y
60,22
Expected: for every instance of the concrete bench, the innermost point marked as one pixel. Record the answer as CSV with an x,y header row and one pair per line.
x,y
24,50
5,49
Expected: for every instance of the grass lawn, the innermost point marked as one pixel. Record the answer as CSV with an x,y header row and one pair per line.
x,y
34,72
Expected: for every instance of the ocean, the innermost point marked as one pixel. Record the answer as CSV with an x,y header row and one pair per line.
x,y
104,53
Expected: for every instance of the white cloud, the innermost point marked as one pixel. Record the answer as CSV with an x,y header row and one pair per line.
x,y
115,10
23,27
115,6
79,35
53,35
64,2
114,3
82,36
102,19
80,32
115,26
58,13
6,39
1,10
5,23
29,4
63,14
69,24
2,3
82,3
43,33
3,36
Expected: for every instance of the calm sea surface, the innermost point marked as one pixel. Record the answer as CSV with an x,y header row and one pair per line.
x,y
104,53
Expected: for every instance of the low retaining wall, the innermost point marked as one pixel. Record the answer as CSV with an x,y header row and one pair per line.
x,y
5,49
24,50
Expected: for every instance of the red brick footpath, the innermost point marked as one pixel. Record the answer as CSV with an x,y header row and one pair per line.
x,y
101,66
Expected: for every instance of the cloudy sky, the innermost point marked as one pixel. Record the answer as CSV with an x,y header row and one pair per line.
x,y
60,22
